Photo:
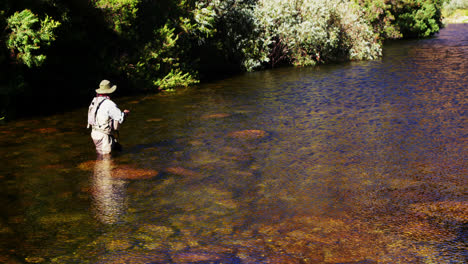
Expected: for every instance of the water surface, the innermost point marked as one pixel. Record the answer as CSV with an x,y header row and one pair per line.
x,y
362,162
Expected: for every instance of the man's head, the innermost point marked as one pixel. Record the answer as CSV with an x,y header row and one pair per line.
x,y
105,87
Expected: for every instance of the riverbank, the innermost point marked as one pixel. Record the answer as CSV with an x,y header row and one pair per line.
x,y
458,17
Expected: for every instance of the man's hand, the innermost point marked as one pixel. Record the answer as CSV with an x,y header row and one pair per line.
x,y
126,112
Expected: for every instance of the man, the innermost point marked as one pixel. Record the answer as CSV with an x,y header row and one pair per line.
x,y
105,117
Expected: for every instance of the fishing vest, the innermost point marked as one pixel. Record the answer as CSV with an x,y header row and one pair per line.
x,y
105,127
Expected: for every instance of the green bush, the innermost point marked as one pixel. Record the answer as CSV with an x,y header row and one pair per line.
x,y
28,35
379,14
159,62
418,18
232,37
305,32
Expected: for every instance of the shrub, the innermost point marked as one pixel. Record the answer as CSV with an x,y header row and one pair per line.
x,y
418,18
159,62
29,35
304,32
378,14
450,6
233,34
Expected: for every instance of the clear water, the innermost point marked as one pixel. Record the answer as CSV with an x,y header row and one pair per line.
x,y
362,162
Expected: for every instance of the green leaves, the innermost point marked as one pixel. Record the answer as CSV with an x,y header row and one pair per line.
x,y
29,35
175,78
156,44
420,18
120,14
306,32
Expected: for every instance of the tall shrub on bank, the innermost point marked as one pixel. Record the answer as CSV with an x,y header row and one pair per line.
x,y
393,19
231,35
420,18
379,15
306,32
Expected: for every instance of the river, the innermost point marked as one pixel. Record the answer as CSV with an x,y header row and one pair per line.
x,y
359,162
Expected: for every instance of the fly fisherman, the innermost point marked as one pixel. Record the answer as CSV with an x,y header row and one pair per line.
x,y
104,117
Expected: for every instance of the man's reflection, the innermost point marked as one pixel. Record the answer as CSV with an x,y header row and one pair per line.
x,y
108,192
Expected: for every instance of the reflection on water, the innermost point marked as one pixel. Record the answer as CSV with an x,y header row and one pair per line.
x,y
362,162
108,192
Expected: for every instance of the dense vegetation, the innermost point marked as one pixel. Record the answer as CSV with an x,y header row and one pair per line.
x,y
53,53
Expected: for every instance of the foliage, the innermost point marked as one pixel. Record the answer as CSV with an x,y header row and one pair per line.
x,y
418,18
154,45
450,6
175,78
28,36
233,33
160,56
378,14
120,14
304,32
403,18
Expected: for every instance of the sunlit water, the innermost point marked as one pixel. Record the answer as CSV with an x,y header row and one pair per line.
x,y
362,162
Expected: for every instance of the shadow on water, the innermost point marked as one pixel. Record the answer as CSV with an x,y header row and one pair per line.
x,y
361,162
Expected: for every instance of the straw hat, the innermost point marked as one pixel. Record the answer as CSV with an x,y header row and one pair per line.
x,y
105,87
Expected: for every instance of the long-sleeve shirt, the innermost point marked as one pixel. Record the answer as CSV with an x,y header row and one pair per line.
x,y
107,113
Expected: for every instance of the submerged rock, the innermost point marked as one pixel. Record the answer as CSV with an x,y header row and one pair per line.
x,y
118,245
47,130
64,218
154,120
183,172
34,260
211,116
129,173
87,165
136,258
123,172
425,231
156,231
194,257
9,260
248,134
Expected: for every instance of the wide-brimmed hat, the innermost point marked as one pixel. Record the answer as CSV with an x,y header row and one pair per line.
x,y
105,87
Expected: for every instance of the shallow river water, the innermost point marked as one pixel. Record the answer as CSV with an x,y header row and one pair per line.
x,y
361,162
